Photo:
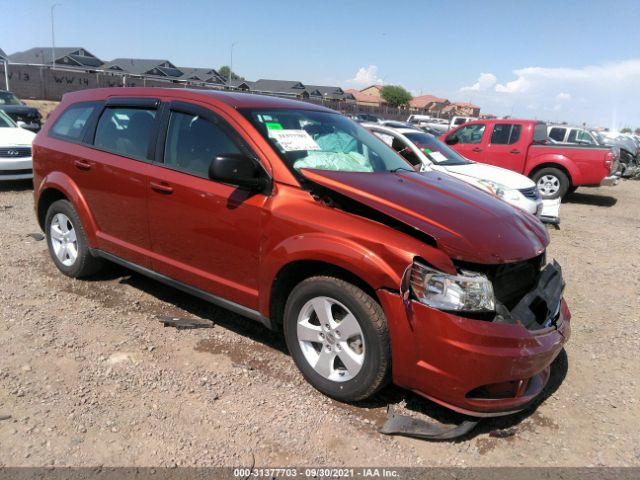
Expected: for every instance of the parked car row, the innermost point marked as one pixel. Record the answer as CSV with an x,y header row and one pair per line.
x,y
298,218
626,146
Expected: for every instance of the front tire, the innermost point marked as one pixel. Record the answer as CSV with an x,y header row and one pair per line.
x,y
552,183
67,241
337,336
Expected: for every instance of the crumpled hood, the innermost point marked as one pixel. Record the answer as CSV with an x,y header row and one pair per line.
x,y
467,223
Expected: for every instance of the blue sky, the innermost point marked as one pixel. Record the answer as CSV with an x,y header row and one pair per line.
x,y
558,60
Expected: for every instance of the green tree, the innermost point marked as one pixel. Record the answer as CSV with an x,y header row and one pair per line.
x,y
224,71
625,130
395,95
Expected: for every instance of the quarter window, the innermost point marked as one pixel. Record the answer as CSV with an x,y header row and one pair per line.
x,y
505,134
193,142
70,125
470,134
126,131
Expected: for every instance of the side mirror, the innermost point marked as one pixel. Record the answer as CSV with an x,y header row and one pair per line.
x,y
451,140
237,169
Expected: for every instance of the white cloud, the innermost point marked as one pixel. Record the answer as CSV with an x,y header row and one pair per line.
x,y
485,82
366,76
597,94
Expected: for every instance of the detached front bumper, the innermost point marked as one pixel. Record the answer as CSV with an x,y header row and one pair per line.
x,y
610,181
475,367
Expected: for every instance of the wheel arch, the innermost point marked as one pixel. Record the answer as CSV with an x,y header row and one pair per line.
x,y
296,271
58,186
563,167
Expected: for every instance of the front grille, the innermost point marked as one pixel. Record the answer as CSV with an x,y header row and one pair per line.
x,y
15,152
531,193
23,171
511,281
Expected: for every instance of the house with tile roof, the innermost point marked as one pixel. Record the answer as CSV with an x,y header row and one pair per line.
x,y
362,98
428,104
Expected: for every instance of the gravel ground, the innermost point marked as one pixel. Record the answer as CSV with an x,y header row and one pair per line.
x,y
89,376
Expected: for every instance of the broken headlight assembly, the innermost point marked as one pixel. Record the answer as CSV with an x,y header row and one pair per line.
x,y
465,292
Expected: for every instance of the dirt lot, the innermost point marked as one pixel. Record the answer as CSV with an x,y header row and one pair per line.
x,y
89,376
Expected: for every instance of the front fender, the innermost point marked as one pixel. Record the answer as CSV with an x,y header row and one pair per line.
x,y
64,184
380,266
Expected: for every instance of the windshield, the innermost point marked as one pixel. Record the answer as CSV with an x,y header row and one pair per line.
x,y
323,140
8,98
5,121
438,152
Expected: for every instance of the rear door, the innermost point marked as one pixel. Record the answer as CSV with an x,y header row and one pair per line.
x,y
113,176
507,146
469,140
203,233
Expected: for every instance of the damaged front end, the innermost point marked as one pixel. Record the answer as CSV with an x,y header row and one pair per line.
x,y
483,339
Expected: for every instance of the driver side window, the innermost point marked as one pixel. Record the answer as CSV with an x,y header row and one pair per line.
x,y
470,134
193,142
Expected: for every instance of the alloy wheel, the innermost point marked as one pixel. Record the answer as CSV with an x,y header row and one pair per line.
x,y
63,239
331,339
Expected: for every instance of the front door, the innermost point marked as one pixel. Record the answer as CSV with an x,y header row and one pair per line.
x,y
203,233
469,141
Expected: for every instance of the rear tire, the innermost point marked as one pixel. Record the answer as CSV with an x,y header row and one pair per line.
x,y
67,241
552,183
337,336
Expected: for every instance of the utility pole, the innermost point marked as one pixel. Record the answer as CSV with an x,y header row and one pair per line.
x,y
53,36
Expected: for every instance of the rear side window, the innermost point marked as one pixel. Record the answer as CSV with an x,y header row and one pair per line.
x,y
125,131
70,125
557,134
505,134
540,133
193,142
584,137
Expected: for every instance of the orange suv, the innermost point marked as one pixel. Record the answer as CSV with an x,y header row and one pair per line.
x,y
296,217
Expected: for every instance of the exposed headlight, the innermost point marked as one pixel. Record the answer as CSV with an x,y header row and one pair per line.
x,y
502,191
468,291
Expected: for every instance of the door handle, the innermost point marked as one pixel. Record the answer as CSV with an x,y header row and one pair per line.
x,y
476,149
515,150
162,187
82,165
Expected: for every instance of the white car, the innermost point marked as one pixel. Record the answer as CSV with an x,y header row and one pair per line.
x,y
426,152
15,150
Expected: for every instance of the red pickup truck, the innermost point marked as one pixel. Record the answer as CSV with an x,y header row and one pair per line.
x,y
522,146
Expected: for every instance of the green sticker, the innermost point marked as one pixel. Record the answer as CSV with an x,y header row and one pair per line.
x,y
273,126
427,150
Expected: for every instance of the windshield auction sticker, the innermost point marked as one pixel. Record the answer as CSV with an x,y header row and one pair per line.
x,y
294,140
